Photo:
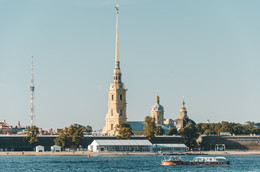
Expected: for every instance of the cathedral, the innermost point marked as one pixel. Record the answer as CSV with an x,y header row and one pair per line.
x,y
116,113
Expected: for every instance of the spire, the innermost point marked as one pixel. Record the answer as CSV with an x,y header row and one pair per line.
x,y
157,98
117,72
183,103
117,40
183,111
32,95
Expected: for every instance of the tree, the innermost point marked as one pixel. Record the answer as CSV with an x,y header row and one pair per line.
x,y
256,131
172,131
149,128
124,131
87,129
189,135
159,130
70,137
32,133
63,139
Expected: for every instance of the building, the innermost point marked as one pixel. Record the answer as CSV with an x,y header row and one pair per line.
x,y
170,147
39,148
157,111
116,113
183,118
5,128
55,148
120,146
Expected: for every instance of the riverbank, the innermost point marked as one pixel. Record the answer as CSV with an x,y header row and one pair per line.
x,y
129,153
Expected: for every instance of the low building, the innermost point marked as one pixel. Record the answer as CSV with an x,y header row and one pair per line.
x,y
170,147
55,148
120,146
39,148
5,128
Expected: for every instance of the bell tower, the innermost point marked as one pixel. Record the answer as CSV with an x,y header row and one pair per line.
x,y
157,111
116,113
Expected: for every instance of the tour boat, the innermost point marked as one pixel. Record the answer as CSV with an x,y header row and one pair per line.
x,y
196,161
173,160
209,161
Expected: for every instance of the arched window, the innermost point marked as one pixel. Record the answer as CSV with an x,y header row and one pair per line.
x,y
121,112
121,97
111,112
112,97
112,127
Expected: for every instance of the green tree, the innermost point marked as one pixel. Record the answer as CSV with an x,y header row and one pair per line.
x,y
32,133
70,137
249,127
149,128
256,131
124,131
87,129
63,139
159,130
189,135
172,131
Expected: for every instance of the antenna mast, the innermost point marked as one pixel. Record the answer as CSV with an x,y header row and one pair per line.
x,y
32,95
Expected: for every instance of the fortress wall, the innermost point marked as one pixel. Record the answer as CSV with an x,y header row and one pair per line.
x,y
231,142
17,143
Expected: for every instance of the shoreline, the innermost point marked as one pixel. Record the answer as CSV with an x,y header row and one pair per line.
x,y
199,153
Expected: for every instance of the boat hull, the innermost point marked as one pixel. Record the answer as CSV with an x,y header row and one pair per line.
x,y
172,162
193,163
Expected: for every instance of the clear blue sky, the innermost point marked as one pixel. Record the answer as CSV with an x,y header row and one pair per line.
x,y
206,51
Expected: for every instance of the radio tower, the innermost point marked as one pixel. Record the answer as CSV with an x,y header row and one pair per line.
x,y
32,95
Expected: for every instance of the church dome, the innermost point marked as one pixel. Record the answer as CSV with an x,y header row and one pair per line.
x,y
157,106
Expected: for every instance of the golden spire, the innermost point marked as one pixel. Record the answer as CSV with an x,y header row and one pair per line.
x,y
183,103
117,72
157,98
117,41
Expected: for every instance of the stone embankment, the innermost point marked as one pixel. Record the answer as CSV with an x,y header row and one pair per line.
x,y
129,153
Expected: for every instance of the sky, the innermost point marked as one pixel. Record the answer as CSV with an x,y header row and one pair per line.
x,y
205,51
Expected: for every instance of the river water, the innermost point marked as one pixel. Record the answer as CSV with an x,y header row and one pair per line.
x,y
53,163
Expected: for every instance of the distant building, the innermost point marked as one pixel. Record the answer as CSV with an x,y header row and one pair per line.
x,y
116,114
55,148
5,128
120,146
157,111
183,118
39,148
170,147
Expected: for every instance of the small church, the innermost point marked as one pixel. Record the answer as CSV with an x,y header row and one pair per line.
x,y
116,113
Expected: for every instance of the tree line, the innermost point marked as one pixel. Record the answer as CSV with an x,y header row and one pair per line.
x,y
69,137
72,136
191,133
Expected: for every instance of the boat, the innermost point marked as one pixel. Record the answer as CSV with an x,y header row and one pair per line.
x,y
209,161
175,160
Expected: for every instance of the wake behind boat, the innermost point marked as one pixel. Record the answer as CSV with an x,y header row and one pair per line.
x,y
175,160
